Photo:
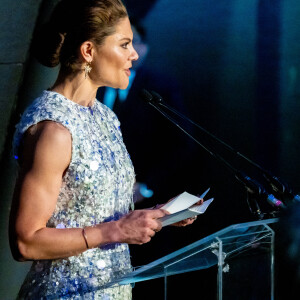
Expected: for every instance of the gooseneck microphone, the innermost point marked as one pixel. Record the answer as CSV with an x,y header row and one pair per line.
x,y
281,189
255,191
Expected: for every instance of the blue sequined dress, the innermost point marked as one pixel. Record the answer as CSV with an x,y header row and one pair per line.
x,y
96,188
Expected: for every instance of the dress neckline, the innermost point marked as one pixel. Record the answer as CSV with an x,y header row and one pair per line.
x,y
72,102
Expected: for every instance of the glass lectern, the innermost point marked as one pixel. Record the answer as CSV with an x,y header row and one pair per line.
x,y
243,254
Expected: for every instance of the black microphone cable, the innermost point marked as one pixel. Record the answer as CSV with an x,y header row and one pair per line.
x,y
278,186
254,189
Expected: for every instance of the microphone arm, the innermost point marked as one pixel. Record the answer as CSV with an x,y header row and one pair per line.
x,y
254,189
218,157
277,185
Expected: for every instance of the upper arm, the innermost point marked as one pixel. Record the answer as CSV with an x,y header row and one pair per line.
x,y
46,154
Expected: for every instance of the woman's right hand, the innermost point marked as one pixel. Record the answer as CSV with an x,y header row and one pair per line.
x,y
139,226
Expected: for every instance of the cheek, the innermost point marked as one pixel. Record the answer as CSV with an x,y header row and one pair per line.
x,y
112,64
118,58
110,69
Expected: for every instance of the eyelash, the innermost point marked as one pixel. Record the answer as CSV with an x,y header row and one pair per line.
x,y
125,45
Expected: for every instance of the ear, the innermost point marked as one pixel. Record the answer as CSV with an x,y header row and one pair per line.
x,y
86,50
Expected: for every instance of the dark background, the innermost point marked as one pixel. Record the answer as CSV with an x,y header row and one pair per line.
x,y
237,67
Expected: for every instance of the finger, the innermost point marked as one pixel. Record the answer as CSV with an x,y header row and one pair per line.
x,y
190,221
152,233
185,222
157,213
165,211
158,227
154,224
200,202
180,224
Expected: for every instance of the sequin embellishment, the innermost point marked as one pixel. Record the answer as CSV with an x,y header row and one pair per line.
x,y
97,188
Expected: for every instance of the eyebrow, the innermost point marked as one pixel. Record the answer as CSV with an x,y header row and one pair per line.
x,y
128,39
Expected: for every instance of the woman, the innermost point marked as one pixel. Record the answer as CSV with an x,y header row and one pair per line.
x,y
71,205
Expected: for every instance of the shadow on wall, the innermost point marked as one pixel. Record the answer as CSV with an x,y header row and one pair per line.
x,y
36,78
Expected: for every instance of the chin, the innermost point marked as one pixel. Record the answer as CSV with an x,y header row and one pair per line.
x,y
119,84
123,85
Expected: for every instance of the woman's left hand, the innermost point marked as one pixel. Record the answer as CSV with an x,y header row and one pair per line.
x,y
185,222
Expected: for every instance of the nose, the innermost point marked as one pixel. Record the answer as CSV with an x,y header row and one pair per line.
x,y
134,55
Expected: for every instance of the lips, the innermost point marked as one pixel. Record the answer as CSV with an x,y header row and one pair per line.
x,y
127,71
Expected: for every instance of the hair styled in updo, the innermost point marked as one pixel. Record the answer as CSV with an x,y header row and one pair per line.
x,y
72,23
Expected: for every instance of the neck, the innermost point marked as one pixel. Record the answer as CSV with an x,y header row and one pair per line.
x,y
76,88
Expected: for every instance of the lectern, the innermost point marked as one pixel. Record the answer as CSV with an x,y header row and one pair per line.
x,y
243,254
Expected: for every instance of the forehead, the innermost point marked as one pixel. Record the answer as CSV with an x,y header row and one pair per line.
x,y
123,30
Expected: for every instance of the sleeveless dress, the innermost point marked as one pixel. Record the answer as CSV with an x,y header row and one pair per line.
x,y
96,188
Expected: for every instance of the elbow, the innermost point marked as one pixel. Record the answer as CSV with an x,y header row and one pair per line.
x,y
18,251
17,257
18,248
23,251
25,246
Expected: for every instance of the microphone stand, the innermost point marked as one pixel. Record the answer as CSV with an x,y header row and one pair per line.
x,y
255,191
280,188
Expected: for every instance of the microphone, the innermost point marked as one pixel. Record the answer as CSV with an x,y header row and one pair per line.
x,y
157,97
281,188
254,189
146,96
275,183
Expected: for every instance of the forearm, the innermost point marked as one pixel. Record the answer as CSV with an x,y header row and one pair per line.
x,y
52,243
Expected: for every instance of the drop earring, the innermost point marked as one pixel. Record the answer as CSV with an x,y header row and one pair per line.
x,y
87,69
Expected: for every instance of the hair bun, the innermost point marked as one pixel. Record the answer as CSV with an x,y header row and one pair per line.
x,y
71,23
46,45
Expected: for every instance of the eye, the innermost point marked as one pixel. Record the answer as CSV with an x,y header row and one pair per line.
x,y
125,45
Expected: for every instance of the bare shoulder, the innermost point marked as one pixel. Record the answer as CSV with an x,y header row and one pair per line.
x,y
50,129
47,141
